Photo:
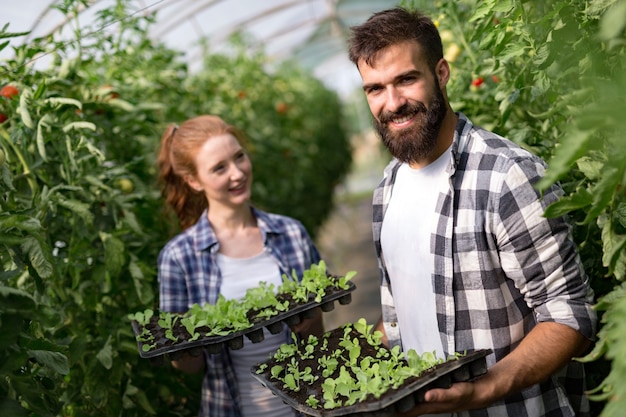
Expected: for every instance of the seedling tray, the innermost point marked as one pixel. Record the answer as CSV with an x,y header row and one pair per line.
x,y
402,400
234,340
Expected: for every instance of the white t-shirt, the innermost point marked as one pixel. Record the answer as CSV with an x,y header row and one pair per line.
x,y
239,274
405,240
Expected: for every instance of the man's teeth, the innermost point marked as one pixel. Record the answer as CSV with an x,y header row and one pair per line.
x,y
401,119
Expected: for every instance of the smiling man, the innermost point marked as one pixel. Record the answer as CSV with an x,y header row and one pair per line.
x,y
467,259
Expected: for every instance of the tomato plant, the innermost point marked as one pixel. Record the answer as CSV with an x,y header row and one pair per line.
x,y
553,76
82,218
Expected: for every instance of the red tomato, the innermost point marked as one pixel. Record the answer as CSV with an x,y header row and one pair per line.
x,y
477,81
281,108
9,91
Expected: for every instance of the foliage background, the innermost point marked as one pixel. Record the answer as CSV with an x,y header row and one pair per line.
x,y
81,219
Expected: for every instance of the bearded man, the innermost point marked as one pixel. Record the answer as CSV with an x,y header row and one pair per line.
x,y
466,257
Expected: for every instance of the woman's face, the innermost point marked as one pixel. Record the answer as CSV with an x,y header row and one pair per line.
x,y
224,172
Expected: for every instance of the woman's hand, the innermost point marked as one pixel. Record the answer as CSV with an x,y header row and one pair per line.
x,y
313,325
189,363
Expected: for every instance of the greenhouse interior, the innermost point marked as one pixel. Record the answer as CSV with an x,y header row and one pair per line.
x,y
93,91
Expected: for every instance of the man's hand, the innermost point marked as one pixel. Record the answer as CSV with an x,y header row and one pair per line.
x,y
440,400
547,348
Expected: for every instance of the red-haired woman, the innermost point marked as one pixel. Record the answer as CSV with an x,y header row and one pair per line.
x,y
226,247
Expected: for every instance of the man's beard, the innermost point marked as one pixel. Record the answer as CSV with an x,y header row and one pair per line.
x,y
418,141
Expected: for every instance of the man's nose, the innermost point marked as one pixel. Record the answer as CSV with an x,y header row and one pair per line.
x,y
395,100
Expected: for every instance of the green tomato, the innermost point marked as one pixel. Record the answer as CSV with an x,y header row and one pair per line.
x,y
125,185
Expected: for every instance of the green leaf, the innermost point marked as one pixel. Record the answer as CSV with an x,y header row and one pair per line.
x,y
14,300
503,6
114,253
37,256
613,245
144,292
542,53
23,109
564,157
105,355
603,192
484,9
512,50
41,145
581,198
79,125
54,360
592,168
122,104
20,221
542,84
77,207
58,101
613,21
598,351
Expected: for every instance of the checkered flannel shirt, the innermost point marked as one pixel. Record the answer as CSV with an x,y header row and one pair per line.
x,y
188,274
500,266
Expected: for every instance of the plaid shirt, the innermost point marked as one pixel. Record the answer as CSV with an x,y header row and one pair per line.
x,y
189,274
500,266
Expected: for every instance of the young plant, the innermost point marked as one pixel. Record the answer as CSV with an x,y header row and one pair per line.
x,y
327,365
166,321
348,375
142,317
191,324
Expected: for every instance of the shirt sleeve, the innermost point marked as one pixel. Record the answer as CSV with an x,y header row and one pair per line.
x,y
172,282
539,254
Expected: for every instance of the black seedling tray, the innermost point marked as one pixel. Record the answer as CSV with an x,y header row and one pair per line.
x,y
214,344
404,399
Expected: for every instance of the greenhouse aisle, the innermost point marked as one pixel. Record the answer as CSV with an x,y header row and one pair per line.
x,y
345,243
345,240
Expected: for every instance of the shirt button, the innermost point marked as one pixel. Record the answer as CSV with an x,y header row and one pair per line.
x,y
393,324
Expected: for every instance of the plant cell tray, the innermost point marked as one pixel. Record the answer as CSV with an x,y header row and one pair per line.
x,y
234,340
463,369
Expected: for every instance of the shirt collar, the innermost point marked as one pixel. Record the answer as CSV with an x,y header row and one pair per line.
x,y
204,236
461,135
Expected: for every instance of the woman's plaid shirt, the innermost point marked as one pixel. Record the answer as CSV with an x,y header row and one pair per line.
x,y
500,265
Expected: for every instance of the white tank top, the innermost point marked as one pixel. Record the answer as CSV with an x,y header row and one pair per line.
x,y
239,274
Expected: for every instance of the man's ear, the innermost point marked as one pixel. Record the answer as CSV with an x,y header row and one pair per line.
x,y
442,69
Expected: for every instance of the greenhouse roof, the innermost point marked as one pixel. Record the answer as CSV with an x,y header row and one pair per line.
x,y
312,32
